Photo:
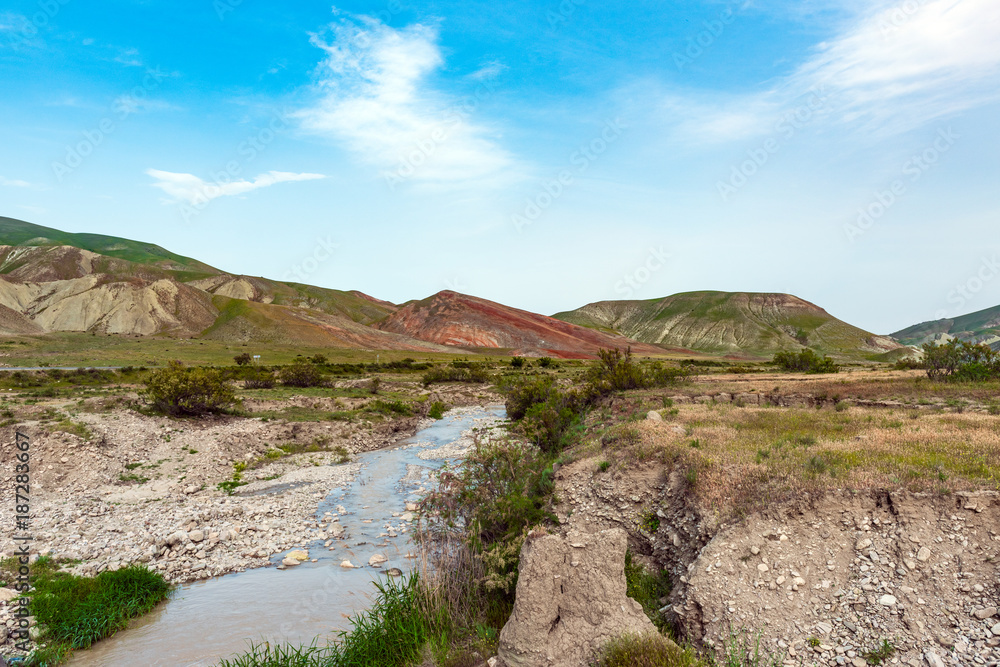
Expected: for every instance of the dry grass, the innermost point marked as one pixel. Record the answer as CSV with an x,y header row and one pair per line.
x,y
904,386
737,459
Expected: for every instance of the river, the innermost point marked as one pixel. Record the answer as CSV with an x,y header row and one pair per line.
x,y
208,620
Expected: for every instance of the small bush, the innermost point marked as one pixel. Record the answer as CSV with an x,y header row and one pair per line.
x,y
473,373
960,361
517,362
301,374
259,378
243,359
806,361
437,410
176,390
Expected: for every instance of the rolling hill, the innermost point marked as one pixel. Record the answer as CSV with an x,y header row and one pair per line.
x,y
739,324
449,318
979,327
48,284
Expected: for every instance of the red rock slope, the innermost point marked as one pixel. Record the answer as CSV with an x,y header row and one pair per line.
x,y
449,318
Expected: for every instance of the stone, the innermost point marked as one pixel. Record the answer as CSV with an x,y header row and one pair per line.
x,y
654,416
376,560
336,530
923,555
887,600
564,614
411,507
407,516
933,660
8,594
983,614
346,564
863,544
290,562
196,535
995,629
762,568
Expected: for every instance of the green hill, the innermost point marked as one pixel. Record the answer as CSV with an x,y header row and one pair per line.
x,y
981,327
20,233
732,323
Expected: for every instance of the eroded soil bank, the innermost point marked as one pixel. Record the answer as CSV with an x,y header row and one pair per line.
x,y
828,577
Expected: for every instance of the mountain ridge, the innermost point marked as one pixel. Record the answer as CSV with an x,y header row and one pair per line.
x,y
752,324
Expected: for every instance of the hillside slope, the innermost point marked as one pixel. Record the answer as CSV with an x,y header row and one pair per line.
x,y
449,318
981,327
47,287
731,323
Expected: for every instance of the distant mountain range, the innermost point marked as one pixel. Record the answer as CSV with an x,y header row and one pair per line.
x,y
979,327
57,281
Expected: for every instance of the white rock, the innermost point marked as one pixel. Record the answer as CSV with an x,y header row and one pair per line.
x,y
887,600
922,556
377,560
654,416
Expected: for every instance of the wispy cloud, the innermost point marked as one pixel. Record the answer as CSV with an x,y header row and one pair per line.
x,y
376,100
14,183
894,68
189,189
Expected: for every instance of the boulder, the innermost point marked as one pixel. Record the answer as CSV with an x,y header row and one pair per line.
x,y
570,601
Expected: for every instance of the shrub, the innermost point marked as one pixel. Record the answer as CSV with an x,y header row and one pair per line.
x,y
437,410
176,390
546,362
517,362
806,361
617,371
301,374
259,378
318,359
243,359
503,489
961,361
470,372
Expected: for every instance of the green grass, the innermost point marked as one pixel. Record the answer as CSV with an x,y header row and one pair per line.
x,y
392,633
650,650
75,612
647,588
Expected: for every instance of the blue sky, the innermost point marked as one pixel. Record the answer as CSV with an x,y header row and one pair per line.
x,y
542,154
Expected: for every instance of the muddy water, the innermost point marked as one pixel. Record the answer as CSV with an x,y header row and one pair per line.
x,y
208,620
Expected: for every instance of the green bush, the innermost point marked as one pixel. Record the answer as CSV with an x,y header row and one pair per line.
x,y
243,359
960,361
470,372
503,489
618,371
517,362
806,361
437,410
259,378
301,374
647,588
176,390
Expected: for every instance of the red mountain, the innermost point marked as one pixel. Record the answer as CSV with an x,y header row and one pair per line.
x,y
449,318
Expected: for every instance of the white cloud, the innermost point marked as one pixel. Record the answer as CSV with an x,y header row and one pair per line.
x,y
375,99
190,189
14,183
894,68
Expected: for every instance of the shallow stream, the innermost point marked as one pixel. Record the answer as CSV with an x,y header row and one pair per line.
x,y
208,620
